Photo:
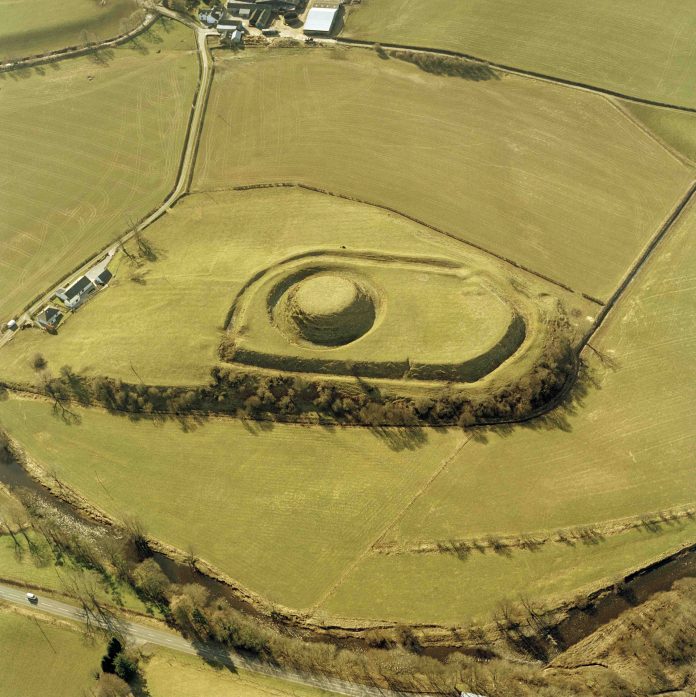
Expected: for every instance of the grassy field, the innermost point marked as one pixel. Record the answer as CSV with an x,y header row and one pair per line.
x,y
638,47
178,675
87,144
45,660
282,509
676,128
29,27
557,179
628,449
443,588
182,298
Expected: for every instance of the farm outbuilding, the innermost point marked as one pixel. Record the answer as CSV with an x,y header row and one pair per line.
x,y
321,19
49,317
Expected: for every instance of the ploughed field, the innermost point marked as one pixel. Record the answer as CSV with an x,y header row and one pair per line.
x,y
564,188
88,145
30,27
636,47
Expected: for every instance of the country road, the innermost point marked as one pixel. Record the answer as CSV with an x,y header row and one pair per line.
x,y
141,633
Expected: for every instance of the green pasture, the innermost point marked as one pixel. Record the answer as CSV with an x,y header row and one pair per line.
x,y
557,179
30,27
45,659
281,508
446,589
177,305
638,47
171,674
88,144
675,128
625,448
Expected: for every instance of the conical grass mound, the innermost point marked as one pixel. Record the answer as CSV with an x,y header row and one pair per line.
x,y
330,310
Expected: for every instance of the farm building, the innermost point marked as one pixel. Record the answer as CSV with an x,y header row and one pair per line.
x,y
321,19
103,278
49,317
228,24
74,295
210,17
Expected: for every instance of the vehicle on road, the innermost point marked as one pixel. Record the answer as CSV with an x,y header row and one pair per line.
x,y
32,598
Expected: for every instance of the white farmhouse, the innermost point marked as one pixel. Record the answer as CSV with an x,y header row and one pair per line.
x,y
74,295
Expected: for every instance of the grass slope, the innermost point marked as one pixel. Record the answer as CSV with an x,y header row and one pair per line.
x,y
639,47
44,660
282,509
557,179
179,309
29,27
87,144
676,128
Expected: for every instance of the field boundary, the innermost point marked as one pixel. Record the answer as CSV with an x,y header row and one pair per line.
x,y
406,216
583,533
638,264
77,51
385,529
635,121
181,181
503,67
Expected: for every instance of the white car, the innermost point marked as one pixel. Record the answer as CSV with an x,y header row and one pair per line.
x,y
32,598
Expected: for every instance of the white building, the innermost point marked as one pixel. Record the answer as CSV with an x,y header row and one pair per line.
x,y
321,19
75,294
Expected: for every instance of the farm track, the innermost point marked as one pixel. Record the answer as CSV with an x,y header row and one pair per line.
x,y
184,173
519,71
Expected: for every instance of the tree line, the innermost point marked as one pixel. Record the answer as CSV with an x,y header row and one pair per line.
x,y
292,397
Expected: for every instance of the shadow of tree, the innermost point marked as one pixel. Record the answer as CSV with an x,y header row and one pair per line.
x,y
102,56
399,439
448,66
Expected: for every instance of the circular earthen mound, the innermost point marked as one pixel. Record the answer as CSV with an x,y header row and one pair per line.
x,y
330,310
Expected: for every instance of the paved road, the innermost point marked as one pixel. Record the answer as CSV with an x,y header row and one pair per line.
x,y
168,639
